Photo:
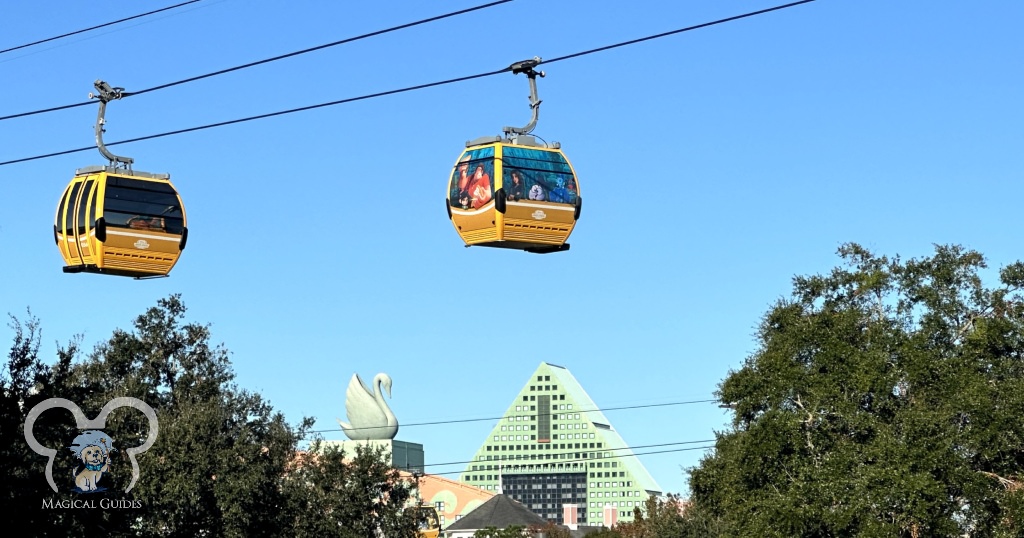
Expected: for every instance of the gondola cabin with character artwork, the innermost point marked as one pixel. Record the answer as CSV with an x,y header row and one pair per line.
x,y
513,191
517,195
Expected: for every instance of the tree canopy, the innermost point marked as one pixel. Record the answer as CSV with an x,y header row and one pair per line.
x,y
223,464
884,399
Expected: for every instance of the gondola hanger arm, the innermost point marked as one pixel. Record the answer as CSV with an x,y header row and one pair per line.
x,y
107,93
527,67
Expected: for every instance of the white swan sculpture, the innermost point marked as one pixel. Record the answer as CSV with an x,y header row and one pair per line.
x,y
369,416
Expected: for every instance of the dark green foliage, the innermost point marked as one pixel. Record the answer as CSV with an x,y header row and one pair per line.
x,y
885,400
223,464
515,531
351,499
552,530
665,518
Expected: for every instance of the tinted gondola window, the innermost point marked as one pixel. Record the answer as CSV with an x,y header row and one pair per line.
x,y
142,205
60,210
471,186
533,174
87,191
67,211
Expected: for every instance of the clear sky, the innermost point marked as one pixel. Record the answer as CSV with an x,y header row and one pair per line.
x,y
714,166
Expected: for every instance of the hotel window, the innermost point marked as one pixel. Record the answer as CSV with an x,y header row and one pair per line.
x,y
570,408
547,378
555,387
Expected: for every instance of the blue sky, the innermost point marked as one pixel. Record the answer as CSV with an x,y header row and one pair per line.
x,y
714,165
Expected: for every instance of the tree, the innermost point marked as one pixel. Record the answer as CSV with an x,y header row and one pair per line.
x,y
550,530
24,382
885,399
670,517
223,461
514,531
354,498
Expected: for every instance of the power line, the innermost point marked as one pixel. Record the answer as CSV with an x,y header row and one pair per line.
x,y
510,463
577,461
269,60
679,31
461,421
89,29
403,90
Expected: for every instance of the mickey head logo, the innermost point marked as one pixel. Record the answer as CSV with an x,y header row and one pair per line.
x,y
98,423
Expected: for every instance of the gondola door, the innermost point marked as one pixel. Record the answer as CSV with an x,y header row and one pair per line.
x,y
74,229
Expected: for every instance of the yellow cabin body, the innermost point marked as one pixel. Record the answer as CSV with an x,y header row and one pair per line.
x,y
517,195
429,522
120,222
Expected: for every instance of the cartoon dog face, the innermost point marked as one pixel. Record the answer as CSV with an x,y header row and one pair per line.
x,y
93,455
94,460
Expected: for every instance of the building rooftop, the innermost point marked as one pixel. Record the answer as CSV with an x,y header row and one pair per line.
x,y
500,511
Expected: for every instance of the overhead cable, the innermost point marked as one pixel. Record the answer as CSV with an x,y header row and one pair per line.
x,y
509,463
98,26
461,421
268,60
707,447
403,90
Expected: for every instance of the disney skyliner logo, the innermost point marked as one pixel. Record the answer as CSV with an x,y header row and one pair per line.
x,y
92,447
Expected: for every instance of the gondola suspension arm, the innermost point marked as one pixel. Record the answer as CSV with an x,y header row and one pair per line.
x,y
106,94
526,66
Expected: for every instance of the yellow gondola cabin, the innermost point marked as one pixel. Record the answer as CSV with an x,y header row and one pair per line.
x,y
513,191
116,221
515,194
120,222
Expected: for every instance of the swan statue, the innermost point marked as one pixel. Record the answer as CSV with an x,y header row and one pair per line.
x,y
369,416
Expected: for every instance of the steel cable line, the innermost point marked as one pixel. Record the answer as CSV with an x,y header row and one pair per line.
x,y
268,60
406,89
579,461
510,463
679,31
460,421
91,28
